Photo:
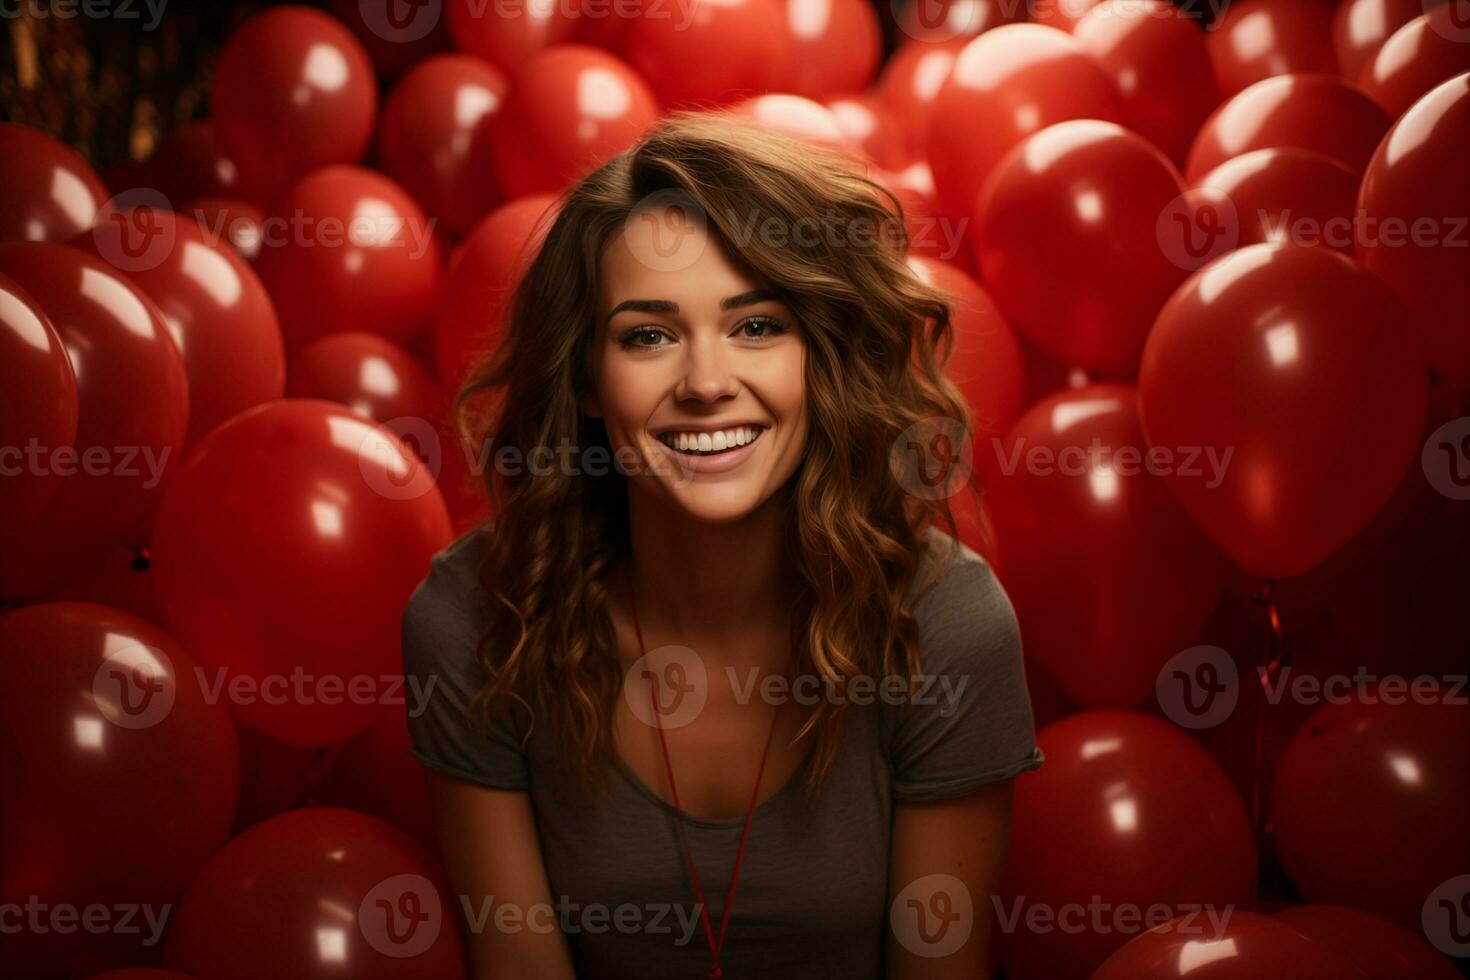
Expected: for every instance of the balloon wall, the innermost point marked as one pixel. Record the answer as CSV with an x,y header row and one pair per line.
x,y
1209,266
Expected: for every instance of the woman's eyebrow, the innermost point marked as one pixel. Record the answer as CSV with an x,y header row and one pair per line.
x,y
748,298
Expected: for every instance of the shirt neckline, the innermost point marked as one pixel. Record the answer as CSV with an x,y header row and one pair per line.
x,y
647,792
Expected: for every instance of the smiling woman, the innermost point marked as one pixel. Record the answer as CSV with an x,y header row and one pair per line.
x,y
747,664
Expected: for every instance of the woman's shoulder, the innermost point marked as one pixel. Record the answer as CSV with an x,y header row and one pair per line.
x,y
446,610
966,619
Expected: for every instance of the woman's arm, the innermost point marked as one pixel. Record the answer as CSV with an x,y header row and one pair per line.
x,y
955,850
492,856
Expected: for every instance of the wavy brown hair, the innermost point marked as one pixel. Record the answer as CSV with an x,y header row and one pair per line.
x,y
877,338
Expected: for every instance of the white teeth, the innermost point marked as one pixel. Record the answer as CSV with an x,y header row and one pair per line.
x,y
710,441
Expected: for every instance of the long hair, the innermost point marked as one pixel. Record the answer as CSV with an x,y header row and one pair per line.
x,y
877,338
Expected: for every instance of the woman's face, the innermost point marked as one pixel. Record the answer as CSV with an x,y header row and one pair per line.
x,y
692,351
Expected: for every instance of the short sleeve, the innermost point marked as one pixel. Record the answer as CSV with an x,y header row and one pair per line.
x,y
975,725
441,632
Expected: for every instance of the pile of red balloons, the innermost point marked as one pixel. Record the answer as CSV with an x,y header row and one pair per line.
x,y
1211,299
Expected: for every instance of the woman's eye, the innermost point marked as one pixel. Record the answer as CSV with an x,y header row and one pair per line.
x,y
630,339
772,326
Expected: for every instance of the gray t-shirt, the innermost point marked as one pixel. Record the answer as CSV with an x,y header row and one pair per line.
x,y
813,891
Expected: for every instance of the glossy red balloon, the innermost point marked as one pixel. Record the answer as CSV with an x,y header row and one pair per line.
x,y
1426,51
1283,195
1059,219
349,249
1382,949
1296,361
701,54
133,412
47,191
433,137
910,82
1247,946
799,117
374,377
120,778
1372,799
1412,225
1157,61
482,277
269,509
571,109
1007,84
834,47
190,163
1149,819
1109,577
293,90
230,220
953,20
1256,39
1310,112
1064,15
1359,28
930,233
40,403
214,304
314,893
395,37
510,36
375,773
874,129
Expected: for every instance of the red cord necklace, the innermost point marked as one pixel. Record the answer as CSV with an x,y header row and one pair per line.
x,y
715,973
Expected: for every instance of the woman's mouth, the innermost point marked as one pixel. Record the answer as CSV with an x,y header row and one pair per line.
x,y
711,443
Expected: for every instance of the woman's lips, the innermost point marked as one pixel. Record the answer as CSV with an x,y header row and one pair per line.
x,y
714,462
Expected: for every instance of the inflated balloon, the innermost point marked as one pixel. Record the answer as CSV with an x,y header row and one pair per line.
x,y
930,234
701,54
1257,39
483,274
1359,28
1149,820
873,127
910,81
374,377
132,414
1244,946
269,506
1007,84
375,773
229,220
510,41
1109,577
349,249
1412,227
1282,195
1295,361
799,117
105,725
572,108
1061,215
986,361
834,45
954,20
1310,112
1426,51
1372,798
311,889
1157,61
432,139
40,404
214,304
47,191
1062,14
1382,949
293,90
395,38
190,163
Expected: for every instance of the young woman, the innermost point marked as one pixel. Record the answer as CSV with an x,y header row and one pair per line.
x,y
715,695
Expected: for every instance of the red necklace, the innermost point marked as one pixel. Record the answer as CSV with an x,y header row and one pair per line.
x,y
715,973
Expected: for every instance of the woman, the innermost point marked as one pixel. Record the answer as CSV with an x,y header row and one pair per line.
x,y
716,696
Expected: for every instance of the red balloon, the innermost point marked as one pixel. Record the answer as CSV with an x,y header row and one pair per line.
x,y
374,377
1148,818
910,82
986,362
1412,186
1064,15
190,163
122,580
1372,798
1310,112
572,108
269,506
1359,28
1109,577
393,41
930,234
1007,84
1381,949
375,773
40,403
105,727
1295,361
1157,61
874,129
349,249
1058,218
293,90
47,191
433,136
133,411
1419,56
1282,195
1257,39
702,54
231,221
310,890
482,277
1249,946
799,117
509,38
214,304
953,20
834,47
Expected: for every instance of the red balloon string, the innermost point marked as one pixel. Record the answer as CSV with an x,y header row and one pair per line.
x,y
1271,663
